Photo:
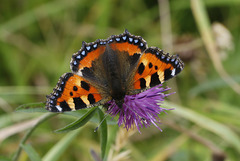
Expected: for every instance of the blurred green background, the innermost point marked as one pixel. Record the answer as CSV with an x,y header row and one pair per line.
x,y
38,38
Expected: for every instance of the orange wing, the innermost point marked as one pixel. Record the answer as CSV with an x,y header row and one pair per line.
x,y
86,55
128,43
88,61
155,67
91,51
72,93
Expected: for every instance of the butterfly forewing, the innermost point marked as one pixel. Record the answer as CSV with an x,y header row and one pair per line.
x,y
86,55
72,93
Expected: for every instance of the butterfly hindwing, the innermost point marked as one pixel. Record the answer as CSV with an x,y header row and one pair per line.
x,y
72,93
155,67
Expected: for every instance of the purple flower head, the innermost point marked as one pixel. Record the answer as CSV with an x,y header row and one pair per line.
x,y
140,110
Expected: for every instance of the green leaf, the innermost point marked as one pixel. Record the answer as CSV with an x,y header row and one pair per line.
x,y
103,132
77,113
78,123
58,149
33,155
95,118
221,130
32,107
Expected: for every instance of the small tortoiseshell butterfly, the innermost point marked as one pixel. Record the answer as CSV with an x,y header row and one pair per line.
x,y
109,69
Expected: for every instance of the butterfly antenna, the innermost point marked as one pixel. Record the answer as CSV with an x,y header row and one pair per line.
x,y
105,116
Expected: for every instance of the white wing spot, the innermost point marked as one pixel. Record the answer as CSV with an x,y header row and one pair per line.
x,y
79,73
59,108
173,72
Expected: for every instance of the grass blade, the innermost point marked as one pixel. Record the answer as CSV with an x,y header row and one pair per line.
x,y
29,133
103,132
78,123
210,85
33,155
57,150
221,130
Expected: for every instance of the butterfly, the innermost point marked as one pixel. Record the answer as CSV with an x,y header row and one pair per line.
x,y
109,69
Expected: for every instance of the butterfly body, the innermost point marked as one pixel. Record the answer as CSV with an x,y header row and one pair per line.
x,y
108,70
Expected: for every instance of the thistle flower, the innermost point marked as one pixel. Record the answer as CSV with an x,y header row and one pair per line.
x,y
140,110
